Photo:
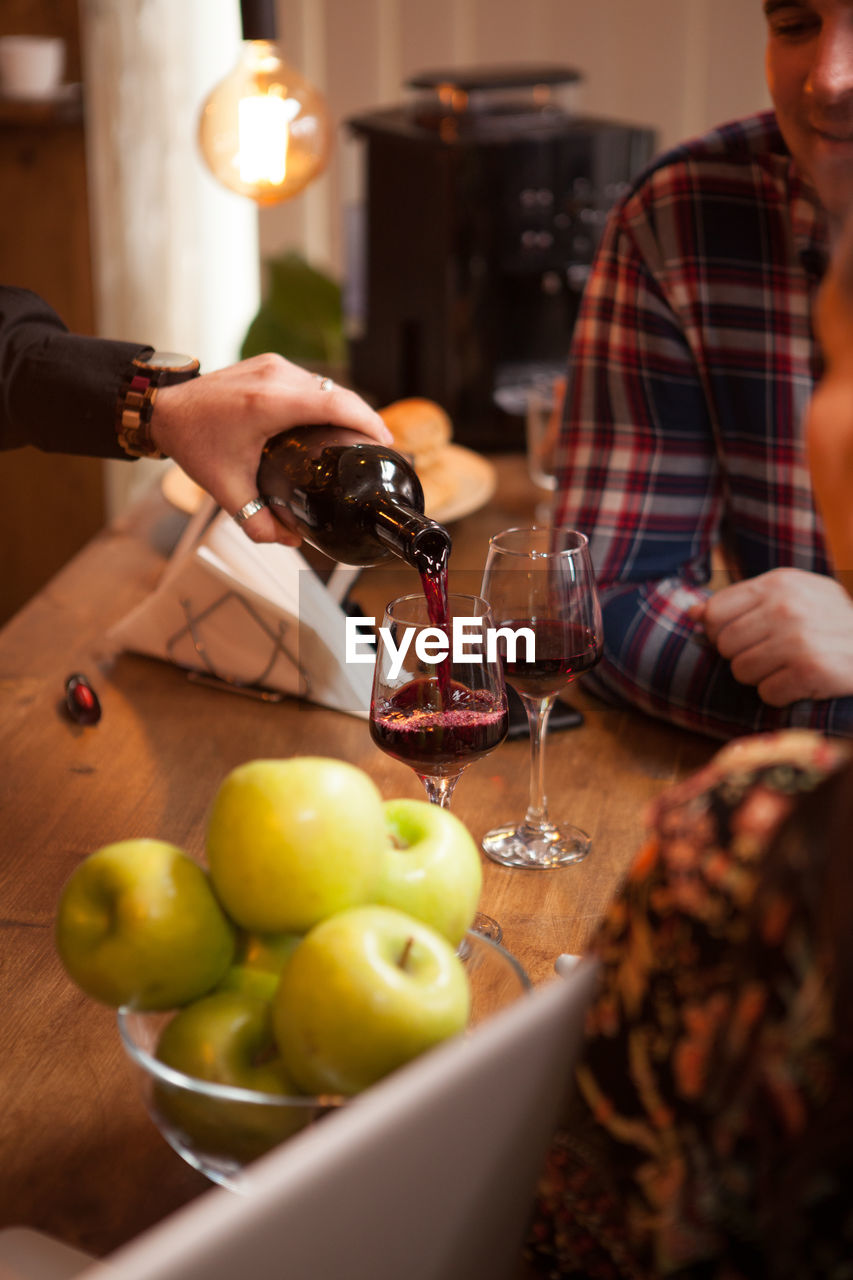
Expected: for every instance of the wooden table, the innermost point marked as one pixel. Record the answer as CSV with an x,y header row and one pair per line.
x,y
80,1159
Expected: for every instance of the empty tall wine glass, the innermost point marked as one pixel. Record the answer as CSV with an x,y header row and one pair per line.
x,y
438,714
541,580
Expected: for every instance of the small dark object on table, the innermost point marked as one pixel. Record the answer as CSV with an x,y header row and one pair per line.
x,y
81,701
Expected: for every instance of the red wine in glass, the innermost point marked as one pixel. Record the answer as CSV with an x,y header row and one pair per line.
x,y
563,650
439,731
542,579
438,715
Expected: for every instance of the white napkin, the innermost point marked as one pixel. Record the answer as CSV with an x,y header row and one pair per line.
x,y
250,614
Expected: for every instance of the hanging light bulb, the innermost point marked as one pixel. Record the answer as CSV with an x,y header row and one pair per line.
x,y
264,130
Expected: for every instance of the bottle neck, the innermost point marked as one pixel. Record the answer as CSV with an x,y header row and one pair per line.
x,y
419,541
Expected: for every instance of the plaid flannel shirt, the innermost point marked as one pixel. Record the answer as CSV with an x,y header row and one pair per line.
x,y
692,363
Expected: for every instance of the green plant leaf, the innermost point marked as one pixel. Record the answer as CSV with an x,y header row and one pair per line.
x,y
301,317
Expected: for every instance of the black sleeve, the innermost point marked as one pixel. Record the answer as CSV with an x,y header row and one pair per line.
x,y
58,390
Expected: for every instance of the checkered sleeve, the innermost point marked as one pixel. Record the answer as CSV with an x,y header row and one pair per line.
x,y
639,473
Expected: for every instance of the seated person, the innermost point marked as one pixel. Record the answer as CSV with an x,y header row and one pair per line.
x,y
711,1132
691,367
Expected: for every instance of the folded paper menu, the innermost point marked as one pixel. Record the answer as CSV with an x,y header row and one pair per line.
x,y
251,615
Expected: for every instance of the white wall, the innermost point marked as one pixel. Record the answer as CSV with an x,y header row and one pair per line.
x,y
175,255
677,65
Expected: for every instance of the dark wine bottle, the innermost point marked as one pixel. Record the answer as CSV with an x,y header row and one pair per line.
x,y
357,501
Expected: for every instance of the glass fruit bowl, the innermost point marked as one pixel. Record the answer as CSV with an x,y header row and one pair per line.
x,y
219,1129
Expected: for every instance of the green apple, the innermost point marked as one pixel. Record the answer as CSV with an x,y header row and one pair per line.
x,y
138,923
432,867
364,992
289,842
244,980
226,1038
268,952
258,962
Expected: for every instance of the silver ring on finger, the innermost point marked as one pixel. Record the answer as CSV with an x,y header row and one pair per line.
x,y
326,384
250,509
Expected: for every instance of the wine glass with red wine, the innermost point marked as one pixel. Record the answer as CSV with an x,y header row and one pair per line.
x,y
439,697
540,581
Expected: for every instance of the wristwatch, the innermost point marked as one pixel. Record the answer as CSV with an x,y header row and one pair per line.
x,y
144,377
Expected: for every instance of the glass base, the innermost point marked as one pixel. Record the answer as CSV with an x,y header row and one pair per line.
x,y
529,846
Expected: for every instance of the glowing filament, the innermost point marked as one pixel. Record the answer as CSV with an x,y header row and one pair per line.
x,y
264,132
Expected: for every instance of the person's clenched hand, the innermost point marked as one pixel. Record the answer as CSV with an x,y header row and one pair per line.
x,y
787,632
216,426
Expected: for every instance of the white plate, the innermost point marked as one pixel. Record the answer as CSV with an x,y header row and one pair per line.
x,y
474,482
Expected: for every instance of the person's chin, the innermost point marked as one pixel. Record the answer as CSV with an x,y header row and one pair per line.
x,y
831,171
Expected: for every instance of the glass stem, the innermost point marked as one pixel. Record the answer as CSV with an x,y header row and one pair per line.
x,y
538,710
439,790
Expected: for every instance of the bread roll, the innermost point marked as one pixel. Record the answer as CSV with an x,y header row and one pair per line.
x,y
420,428
423,430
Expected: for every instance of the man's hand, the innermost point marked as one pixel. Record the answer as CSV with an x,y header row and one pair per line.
x,y
788,632
215,427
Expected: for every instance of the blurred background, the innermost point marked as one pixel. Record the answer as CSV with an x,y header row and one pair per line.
x,y
110,214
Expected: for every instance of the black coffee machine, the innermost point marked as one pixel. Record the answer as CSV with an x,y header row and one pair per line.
x,y
484,202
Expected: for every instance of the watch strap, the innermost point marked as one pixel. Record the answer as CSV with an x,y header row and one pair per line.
x,y
135,403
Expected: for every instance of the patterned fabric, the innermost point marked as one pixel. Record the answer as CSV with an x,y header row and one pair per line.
x,y
707,1127
692,363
